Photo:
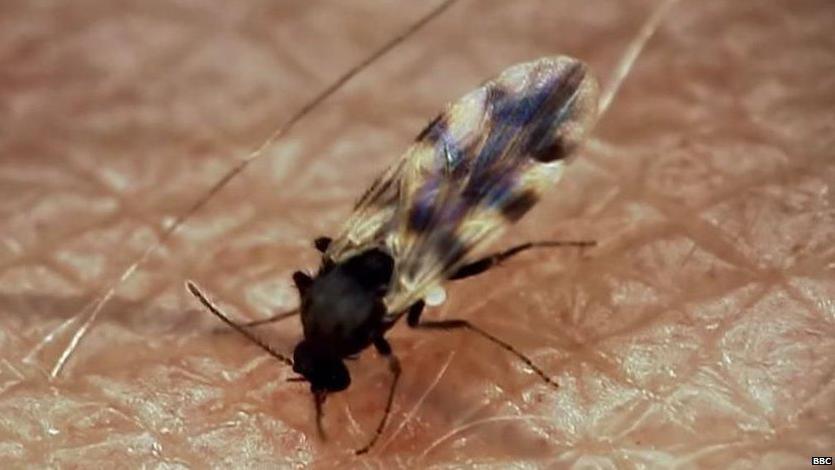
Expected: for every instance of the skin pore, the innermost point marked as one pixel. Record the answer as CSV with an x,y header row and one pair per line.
x,y
699,329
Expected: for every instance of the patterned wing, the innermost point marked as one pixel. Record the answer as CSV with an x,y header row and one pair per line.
x,y
372,218
478,168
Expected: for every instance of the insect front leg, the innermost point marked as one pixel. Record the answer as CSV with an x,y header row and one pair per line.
x,y
302,282
479,266
414,321
211,307
275,318
322,243
384,348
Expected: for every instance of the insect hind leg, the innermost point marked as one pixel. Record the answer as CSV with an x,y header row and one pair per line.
x,y
479,266
414,321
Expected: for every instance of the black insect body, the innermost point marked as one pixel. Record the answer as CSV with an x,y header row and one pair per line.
x,y
342,313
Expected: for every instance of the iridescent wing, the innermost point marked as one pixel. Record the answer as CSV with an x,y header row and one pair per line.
x,y
372,218
475,170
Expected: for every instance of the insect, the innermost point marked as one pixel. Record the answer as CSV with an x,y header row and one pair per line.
x,y
476,169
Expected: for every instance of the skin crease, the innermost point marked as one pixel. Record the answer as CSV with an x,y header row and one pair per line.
x,y
699,333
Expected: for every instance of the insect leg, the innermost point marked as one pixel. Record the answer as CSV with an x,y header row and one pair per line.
x,y
275,318
302,282
413,320
384,348
319,397
198,294
322,244
479,266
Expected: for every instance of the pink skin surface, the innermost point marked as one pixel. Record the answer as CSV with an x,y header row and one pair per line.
x,y
700,332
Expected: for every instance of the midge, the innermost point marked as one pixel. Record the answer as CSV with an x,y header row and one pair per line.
x,y
477,168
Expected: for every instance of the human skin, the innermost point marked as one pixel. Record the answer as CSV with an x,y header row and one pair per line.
x,y
697,333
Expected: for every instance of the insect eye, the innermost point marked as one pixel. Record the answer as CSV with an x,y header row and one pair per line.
x,y
336,377
322,370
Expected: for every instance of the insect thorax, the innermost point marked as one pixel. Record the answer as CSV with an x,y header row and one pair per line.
x,y
342,309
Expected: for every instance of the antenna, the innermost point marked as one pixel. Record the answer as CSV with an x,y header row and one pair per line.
x,y
196,292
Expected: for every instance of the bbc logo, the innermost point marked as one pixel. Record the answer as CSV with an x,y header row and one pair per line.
x,y
821,460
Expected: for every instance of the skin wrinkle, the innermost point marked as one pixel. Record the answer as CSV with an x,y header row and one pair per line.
x,y
148,117
410,415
